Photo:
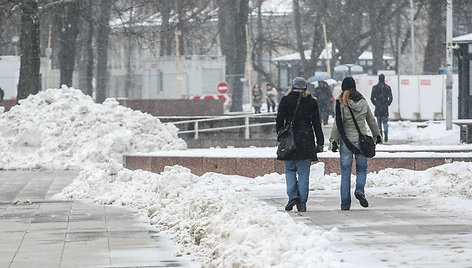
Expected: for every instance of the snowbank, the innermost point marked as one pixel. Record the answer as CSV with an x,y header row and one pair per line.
x,y
221,224
63,128
424,133
448,180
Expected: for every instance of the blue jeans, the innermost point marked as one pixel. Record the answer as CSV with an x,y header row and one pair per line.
x,y
345,160
382,121
297,188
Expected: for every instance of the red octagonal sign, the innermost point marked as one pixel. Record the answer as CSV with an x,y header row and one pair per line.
x,y
222,88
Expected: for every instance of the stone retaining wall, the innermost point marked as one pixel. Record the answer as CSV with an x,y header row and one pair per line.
x,y
253,167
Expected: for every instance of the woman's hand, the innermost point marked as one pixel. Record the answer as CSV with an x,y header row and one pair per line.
x,y
334,147
379,140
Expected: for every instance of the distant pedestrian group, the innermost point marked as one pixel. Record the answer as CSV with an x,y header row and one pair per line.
x,y
270,95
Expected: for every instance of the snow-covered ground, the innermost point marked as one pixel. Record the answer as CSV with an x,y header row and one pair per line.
x,y
218,219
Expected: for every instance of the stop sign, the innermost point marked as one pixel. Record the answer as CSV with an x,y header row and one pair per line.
x,y
222,88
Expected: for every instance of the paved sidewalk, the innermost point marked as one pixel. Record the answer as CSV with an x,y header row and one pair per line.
x,y
392,232
36,231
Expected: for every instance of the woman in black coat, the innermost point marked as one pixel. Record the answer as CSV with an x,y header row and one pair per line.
x,y
306,125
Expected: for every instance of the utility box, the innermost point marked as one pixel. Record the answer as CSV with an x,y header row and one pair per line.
x,y
172,78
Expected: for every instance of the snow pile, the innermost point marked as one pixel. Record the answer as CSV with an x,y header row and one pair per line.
x,y
424,133
63,128
223,226
446,180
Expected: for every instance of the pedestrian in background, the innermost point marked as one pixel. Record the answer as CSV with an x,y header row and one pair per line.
x,y
381,97
257,98
350,98
323,96
2,95
271,95
306,124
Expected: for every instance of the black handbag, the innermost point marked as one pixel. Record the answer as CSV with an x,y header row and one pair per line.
x,y
286,138
366,143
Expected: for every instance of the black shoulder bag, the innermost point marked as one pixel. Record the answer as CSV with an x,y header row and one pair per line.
x,y
366,143
285,137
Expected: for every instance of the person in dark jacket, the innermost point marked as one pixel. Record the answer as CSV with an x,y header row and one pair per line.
x,y
381,97
323,96
306,125
257,98
353,99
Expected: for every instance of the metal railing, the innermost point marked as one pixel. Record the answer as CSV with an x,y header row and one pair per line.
x,y
247,125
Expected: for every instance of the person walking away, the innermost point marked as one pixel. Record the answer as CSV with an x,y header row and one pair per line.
x,y
306,125
381,97
257,98
323,95
271,97
350,98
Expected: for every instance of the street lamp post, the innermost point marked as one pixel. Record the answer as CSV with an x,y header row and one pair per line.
x,y
449,65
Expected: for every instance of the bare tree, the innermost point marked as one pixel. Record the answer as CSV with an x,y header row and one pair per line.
x,y
317,14
297,18
103,35
232,20
258,46
86,63
67,18
347,24
166,30
29,82
435,50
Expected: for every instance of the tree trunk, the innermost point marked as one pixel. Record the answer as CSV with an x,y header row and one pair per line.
x,y
129,70
434,50
68,24
90,55
299,38
232,20
377,35
347,39
258,52
165,35
86,63
180,26
29,82
102,53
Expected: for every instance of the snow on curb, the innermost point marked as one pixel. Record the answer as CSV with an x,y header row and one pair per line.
x,y
222,226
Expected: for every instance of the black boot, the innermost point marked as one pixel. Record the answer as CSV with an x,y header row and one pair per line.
x,y
291,203
361,197
386,136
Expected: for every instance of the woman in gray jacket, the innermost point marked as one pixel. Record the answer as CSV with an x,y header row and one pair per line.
x,y
350,97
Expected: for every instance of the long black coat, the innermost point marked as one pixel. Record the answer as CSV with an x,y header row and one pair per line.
x,y
307,121
381,97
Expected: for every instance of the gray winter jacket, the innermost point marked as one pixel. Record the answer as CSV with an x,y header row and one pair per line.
x,y
363,114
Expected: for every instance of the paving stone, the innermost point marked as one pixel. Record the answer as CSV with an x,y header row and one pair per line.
x,y
392,232
38,231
